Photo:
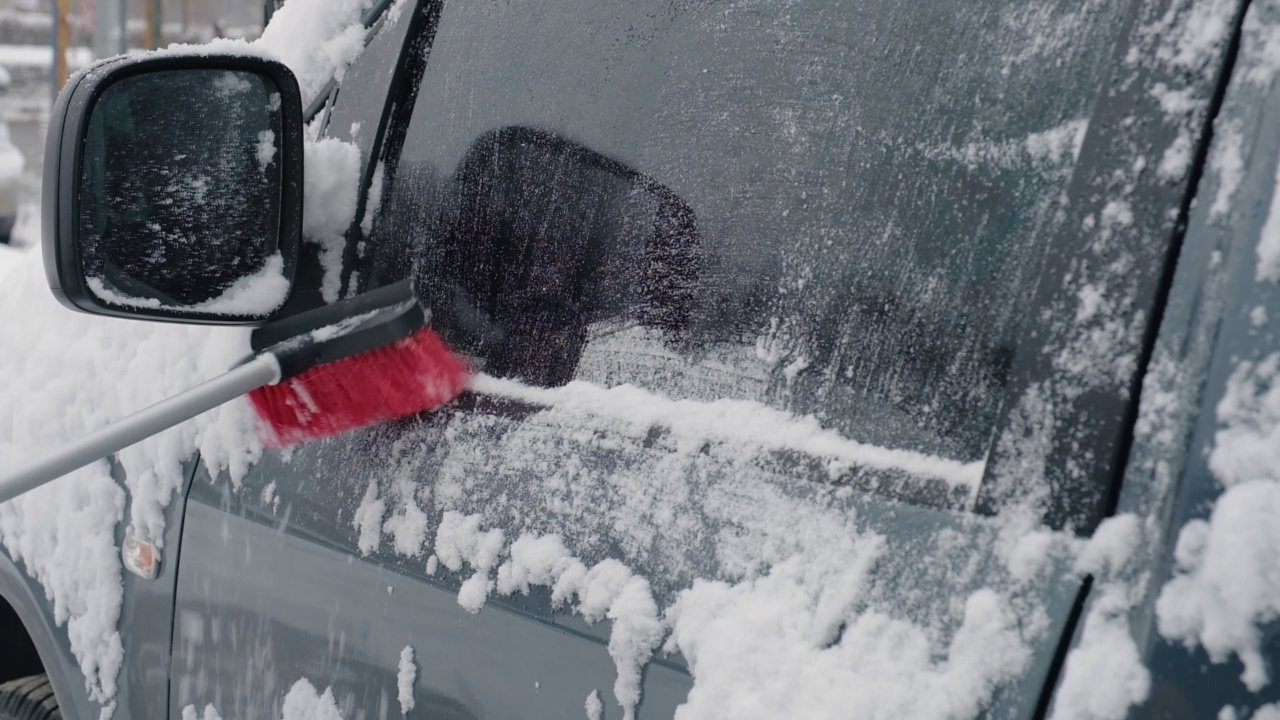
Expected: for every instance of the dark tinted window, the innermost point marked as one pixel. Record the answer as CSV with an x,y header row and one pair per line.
x,y
833,207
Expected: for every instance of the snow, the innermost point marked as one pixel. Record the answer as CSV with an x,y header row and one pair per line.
x,y
459,540
1228,162
1175,102
317,39
373,200
405,678
1176,158
1248,442
257,295
408,524
1058,144
1260,49
111,297
1269,242
210,713
266,149
10,258
304,703
473,592
1258,316
593,706
332,169
606,590
368,520
792,626
1055,147
41,56
751,651
1104,674
26,227
1189,33
1111,546
11,162
740,422
1227,582
270,498
63,533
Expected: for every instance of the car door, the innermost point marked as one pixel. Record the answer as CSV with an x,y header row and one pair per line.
x,y
747,286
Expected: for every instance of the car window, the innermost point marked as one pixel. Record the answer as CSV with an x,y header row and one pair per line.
x,y
361,96
834,208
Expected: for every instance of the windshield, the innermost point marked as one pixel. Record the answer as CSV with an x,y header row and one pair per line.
x,y
832,208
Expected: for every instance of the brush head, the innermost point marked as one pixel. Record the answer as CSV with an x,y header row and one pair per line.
x,y
353,364
412,375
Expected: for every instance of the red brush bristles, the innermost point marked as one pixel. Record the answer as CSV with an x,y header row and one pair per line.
x,y
413,375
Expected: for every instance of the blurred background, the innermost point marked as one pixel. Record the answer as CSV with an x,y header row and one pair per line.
x,y
35,34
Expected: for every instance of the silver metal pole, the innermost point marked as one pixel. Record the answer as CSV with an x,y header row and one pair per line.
x,y
262,370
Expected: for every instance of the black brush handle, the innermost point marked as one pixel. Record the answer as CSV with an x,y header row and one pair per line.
x,y
294,326
363,330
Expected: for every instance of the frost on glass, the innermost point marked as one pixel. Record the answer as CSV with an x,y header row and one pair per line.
x,y
870,187
180,194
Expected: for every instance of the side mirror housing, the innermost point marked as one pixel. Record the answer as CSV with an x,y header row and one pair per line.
x,y
173,188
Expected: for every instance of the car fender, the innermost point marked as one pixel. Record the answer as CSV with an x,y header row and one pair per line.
x,y
50,640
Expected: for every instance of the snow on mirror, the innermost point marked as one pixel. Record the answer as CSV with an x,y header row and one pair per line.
x,y
179,194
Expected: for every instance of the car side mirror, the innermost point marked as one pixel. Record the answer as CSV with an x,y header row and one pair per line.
x,y
173,188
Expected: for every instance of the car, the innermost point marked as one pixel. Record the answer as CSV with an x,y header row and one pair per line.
x,y
11,168
836,360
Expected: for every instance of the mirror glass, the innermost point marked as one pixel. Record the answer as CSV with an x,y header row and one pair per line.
x,y
179,194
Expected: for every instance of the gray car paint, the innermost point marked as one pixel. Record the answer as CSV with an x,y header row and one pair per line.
x,y
270,594
1201,311
27,599
145,625
260,608
1205,334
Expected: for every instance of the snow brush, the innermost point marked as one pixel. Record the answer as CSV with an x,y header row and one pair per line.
x,y
361,361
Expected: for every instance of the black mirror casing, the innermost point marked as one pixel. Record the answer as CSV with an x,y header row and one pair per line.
x,y
64,210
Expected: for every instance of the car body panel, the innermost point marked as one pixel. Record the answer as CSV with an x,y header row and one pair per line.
x,y
273,587
263,606
1209,327
26,597
344,631
145,624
